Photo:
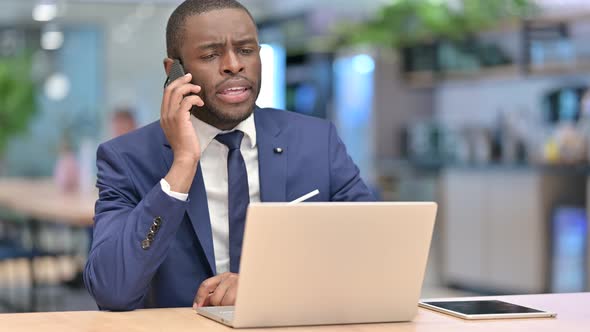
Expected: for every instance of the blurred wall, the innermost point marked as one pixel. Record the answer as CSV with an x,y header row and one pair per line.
x,y
134,48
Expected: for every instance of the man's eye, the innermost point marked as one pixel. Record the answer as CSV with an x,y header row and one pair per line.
x,y
209,56
246,51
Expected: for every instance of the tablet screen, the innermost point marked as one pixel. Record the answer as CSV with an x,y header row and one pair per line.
x,y
482,307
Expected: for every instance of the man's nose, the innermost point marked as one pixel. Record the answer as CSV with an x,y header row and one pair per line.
x,y
232,64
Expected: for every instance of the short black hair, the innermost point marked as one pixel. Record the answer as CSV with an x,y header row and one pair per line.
x,y
175,27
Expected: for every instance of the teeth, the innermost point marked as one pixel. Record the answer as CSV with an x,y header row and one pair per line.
x,y
234,90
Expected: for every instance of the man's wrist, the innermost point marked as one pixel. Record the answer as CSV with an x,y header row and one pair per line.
x,y
186,160
181,175
166,189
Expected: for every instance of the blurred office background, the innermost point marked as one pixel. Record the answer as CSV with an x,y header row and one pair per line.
x,y
482,106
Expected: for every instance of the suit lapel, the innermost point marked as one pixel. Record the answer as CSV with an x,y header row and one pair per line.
x,y
198,209
167,153
272,166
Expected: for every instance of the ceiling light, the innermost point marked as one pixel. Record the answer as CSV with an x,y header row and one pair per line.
x,y
44,12
57,87
52,40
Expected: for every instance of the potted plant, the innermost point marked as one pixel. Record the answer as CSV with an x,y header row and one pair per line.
x,y
17,98
404,23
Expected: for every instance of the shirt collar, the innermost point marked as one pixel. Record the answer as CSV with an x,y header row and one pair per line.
x,y
206,132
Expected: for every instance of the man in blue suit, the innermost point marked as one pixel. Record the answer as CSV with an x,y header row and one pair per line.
x,y
173,195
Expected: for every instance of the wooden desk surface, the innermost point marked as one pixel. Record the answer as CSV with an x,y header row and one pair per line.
x,y
41,199
573,314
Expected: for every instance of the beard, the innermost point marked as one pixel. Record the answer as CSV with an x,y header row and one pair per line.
x,y
224,117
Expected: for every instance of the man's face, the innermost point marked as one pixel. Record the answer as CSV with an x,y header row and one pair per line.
x,y
222,52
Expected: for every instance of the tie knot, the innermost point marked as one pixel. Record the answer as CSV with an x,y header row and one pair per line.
x,y
232,139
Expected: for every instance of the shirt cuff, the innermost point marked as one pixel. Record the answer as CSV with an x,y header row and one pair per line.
x,y
166,189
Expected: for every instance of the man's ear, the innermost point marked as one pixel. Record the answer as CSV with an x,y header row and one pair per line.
x,y
167,65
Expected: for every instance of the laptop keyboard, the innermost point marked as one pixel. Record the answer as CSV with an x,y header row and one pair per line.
x,y
226,314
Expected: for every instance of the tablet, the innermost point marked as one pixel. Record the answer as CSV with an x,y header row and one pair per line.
x,y
487,309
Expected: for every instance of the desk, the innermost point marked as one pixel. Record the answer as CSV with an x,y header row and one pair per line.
x,y
573,314
41,200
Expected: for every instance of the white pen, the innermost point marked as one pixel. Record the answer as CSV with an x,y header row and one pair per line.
x,y
305,197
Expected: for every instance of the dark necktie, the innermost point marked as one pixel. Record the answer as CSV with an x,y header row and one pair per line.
x,y
238,195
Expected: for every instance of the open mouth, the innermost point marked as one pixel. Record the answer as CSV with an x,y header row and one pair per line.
x,y
234,95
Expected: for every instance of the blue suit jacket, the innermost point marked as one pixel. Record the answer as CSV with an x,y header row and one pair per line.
x,y
121,275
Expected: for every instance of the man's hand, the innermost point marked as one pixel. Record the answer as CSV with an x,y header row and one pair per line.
x,y
179,98
220,290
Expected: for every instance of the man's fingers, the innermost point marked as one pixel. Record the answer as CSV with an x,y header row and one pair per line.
x,y
207,287
221,291
179,81
168,91
218,290
182,92
190,101
176,90
182,103
230,295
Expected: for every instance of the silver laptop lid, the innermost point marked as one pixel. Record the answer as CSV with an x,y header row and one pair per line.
x,y
332,263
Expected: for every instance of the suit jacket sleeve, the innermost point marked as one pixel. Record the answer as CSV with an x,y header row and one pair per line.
x,y
345,181
119,270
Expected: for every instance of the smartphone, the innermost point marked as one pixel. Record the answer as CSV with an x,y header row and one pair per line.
x,y
176,71
487,309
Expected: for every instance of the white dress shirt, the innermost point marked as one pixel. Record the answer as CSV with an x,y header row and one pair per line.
x,y
213,164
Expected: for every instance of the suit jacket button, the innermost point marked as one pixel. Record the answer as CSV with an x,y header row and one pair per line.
x,y
157,221
145,244
150,236
154,228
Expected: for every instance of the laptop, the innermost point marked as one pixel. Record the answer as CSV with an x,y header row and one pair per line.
x,y
330,263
